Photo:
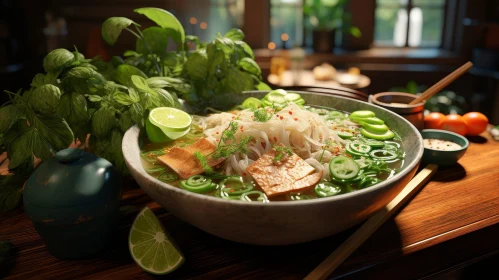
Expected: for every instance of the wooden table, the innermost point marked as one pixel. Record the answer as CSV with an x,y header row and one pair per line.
x,y
452,222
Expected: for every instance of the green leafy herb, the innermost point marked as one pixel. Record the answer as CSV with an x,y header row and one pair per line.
x,y
204,162
329,143
281,152
57,59
11,190
263,114
112,27
228,143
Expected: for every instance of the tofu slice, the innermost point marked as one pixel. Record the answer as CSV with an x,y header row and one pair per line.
x,y
291,174
183,161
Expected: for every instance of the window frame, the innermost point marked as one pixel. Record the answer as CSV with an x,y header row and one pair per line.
x,y
410,5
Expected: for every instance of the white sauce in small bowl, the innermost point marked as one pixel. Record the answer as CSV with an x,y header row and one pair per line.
x,y
442,145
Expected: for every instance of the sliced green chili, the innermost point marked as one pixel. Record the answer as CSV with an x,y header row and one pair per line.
x,y
326,189
385,136
362,114
383,154
235,186
345,134
250,196
343,168
168,176
198,184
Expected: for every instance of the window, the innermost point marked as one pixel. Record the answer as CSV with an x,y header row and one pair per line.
x,y
207,18
409,23
286,18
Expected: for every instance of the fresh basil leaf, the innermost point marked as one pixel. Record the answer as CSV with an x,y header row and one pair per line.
x,y
55,131
125,121
250,66
137,114
226,45
116,61
104,68
157,82
131,53
38,80
235,34
174,62
83,80
167,98
112,27
73,108
134,95
22,142
244,50
45,99
156,38
262,86
122,98
103,121
94,98
11,191
139,83
164,19
196,65
236,82
8,116
124,72
116,152
3,148
57,59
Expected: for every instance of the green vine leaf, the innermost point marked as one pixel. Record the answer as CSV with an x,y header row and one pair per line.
x,y
164,19
112,27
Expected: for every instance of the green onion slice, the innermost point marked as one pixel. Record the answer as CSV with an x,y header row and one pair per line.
x,y
385,136
358,149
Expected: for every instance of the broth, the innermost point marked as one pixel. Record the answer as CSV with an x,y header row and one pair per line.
x,y
374,170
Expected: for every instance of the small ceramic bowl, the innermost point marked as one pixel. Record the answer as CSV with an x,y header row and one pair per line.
x,y
398,102
439,157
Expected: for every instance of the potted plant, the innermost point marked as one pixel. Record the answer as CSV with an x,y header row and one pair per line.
x,y
325,17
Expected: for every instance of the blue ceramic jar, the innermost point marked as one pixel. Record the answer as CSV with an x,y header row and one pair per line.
x,y
73,201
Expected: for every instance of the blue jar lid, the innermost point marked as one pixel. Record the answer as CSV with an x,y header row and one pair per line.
x,y
73,177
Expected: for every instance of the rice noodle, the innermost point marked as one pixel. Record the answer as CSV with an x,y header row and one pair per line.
x,y
305,132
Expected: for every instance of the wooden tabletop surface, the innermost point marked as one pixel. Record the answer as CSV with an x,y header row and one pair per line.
x,y
453,221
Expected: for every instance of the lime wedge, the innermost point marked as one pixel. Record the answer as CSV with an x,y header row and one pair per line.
x,y
170,119
150,246
155,134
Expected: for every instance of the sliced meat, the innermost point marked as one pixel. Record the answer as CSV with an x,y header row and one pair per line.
x,y
279,178
183,161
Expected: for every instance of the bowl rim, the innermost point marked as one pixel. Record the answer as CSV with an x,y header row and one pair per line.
x,y
441,131
374,99
132,134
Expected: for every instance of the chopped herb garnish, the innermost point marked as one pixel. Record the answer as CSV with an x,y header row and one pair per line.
x,y
281,151
204,162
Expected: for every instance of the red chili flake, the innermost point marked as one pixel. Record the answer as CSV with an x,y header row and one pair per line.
x,y
241,127
244,173
348,155
218,132
290,112
296,119
281,117
231,190
275,139
218,140
277,115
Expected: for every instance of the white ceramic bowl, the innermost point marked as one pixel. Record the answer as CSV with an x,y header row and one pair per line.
x,y
282,222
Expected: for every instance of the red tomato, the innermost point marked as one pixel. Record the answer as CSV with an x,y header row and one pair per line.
x,y
476,122
433,120
454,123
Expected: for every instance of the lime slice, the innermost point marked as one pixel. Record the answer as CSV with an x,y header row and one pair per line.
x,y
155,134
170,119
150,246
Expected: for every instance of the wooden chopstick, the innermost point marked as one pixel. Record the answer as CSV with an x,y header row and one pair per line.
x,y
327,266
443,83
